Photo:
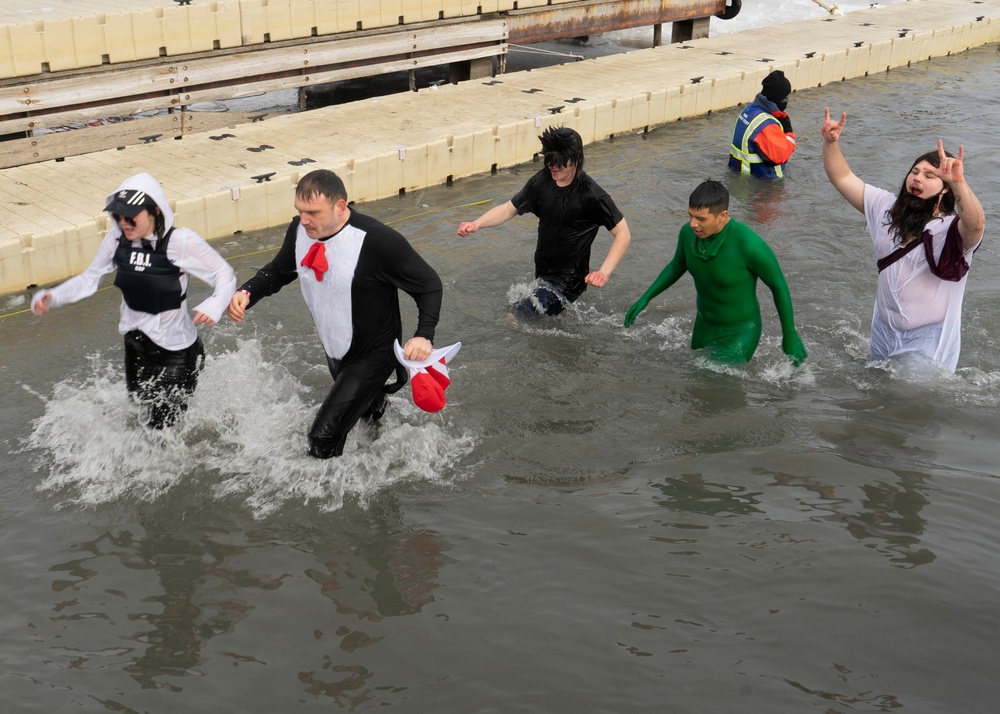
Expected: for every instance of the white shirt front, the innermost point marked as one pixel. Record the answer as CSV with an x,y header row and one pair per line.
x,y
330,300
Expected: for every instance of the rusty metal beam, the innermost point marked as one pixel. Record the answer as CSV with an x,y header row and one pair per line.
x,y
554,22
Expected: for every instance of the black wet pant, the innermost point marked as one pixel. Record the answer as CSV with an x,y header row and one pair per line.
x,y
545,301
358,392
161,380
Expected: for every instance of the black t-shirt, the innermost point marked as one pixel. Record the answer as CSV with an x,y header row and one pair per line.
x,y
568,220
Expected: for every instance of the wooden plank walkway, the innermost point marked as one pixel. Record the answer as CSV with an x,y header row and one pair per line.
x,y
50,213
89,33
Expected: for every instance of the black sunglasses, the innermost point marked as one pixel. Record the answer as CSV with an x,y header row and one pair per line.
x,y
118,219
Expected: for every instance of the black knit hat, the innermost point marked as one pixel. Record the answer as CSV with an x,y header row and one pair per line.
x,y
776,86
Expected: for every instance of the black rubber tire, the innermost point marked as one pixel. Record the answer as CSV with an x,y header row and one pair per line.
x,y
731,11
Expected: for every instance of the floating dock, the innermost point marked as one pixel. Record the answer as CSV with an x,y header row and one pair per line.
x,y
80,65
228,180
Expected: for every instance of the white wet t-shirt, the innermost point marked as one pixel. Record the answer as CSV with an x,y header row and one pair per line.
x,y
915,311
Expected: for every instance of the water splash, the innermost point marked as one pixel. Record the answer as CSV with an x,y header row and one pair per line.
x,y
93,443
672,333
243,434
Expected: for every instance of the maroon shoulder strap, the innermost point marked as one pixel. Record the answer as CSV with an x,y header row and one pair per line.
x,y
895,255
952,266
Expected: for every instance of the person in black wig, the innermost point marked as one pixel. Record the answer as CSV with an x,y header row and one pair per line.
x,y
571,209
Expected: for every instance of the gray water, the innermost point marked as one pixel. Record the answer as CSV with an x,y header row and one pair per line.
x,y
601,520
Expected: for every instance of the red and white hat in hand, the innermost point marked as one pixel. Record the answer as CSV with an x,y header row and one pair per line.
x,y
429,377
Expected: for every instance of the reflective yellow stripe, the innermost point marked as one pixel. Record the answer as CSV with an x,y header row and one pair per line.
x,y
754,125
742,153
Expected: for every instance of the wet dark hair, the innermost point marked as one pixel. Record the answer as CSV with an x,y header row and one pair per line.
x,y
159,222
711,195
561,146
910,214
321,182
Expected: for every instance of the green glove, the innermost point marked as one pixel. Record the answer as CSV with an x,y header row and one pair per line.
x,y
633,312
792,346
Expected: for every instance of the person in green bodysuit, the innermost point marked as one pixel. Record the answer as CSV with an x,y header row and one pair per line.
x,y
725,258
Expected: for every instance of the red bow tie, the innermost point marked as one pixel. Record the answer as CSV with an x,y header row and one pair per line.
x,y
316,259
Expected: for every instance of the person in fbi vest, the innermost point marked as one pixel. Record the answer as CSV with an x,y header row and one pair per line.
x,y
152,259
763,140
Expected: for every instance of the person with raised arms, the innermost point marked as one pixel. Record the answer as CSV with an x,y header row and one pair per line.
x,y
918,301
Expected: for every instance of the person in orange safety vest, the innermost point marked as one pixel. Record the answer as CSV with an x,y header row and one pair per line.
x,y
763,140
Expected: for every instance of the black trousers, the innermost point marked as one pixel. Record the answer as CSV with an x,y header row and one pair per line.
x,y
358,392
545,301
161,380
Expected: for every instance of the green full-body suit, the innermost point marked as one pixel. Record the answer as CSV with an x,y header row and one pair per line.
x,y
725,268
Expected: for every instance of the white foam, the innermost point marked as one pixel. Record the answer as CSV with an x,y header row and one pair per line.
x,y
244,432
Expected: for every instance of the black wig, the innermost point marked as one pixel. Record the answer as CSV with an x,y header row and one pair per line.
x,y
562,146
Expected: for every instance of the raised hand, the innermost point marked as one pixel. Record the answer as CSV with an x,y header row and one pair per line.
x,y
951,169
831,129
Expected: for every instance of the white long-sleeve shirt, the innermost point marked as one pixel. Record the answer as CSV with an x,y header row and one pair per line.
x,y
173,329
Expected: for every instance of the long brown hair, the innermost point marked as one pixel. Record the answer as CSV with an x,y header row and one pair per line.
x,y
909,214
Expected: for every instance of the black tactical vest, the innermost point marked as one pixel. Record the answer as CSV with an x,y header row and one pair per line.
x,y
148,280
